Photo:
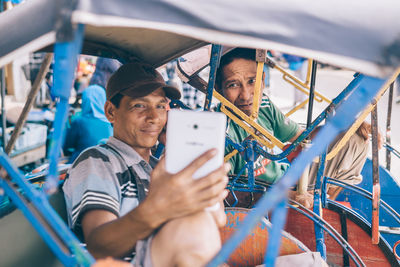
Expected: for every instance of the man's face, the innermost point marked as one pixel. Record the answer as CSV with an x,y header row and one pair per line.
x,y
139,121
238,82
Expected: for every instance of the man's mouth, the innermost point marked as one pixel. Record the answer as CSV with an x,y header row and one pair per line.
x,y
152,132
245,106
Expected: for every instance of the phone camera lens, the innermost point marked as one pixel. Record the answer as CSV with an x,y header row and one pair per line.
x,y
195,126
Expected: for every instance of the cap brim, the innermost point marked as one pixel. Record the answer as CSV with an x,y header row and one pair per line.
x,y
143,90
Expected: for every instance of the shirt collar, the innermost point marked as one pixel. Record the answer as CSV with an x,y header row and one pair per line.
x,y
129,154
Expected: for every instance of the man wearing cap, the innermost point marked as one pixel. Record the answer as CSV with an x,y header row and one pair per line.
x,y
111,204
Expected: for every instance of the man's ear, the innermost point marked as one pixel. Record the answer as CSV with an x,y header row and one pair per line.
x,y
109,110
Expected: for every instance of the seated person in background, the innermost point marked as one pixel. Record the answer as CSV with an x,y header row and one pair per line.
x,y
235,80
120,206
92,126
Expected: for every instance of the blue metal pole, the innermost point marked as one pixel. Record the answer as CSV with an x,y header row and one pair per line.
x,y
214,63
344,117
229,142
159,151
35,221
367,195
48,217
249,157
65,61
274,242
319,233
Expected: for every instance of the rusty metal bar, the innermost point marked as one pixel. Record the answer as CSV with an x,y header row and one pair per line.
x,y
375,176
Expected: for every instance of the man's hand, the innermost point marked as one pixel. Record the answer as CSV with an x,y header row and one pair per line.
x,y
305,199
219,215
175,195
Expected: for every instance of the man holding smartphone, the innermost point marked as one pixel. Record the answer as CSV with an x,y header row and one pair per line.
x,y
235,80
120,206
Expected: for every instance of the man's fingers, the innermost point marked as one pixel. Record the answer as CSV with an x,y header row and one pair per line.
x,y
210,201
214,177
213,190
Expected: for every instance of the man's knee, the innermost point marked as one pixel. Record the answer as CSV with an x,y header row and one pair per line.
x,y
191,240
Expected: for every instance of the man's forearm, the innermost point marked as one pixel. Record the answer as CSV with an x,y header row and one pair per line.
x,y
118,237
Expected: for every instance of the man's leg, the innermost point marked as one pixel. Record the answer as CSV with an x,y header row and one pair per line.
x,y
188,241
346,166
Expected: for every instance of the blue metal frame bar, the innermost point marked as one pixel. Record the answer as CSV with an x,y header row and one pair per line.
x,y
392,149
237,146
382,240
259,150
45,212
345,116
159,151
331,231
335,102
214,63
317,220
319,233
178,103
41,215
278,222
367,195
35,220
65,62
249,157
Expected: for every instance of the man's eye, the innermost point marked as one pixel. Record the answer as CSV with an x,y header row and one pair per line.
x,y
138,106
252,81
231,85
164,106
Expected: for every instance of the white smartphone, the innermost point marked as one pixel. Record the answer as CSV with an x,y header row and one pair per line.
x,y
190,134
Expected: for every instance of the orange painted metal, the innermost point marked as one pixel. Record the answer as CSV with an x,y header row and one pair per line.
x,y
394,250
376,196
252,250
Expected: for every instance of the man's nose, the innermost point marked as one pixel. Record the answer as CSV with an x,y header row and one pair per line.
x,y
152,114
246,93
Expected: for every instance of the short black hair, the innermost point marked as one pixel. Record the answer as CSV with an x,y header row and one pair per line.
x,y
116,100
243,53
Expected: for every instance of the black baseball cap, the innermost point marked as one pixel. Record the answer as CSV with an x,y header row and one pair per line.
x,y
137,79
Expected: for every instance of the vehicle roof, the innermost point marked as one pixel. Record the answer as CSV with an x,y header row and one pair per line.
x,y
359,35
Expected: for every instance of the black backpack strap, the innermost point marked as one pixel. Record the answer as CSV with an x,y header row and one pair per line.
x,y
140,186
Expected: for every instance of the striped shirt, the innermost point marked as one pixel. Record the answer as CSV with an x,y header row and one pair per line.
x,y
101,179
